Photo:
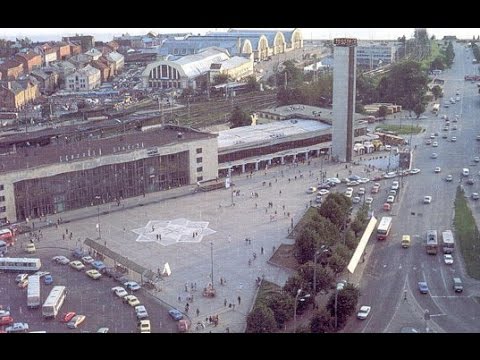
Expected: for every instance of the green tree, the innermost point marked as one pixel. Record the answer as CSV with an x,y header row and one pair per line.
x,y
419,109
292,285
437,63
436,91
347,300
239,118
382,111
261,320
221,79
337,263
324,276
336,209
322,322
252,83
306,243
282,306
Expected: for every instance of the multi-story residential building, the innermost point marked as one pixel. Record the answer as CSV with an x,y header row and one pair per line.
x,y
85,79
104,69
11,69
47,80
63,51
372,55
117,59
14,95
30,60
93,53
48,53
75,48
86,41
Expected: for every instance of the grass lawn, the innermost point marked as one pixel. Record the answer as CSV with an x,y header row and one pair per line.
x,y
401,129
467,235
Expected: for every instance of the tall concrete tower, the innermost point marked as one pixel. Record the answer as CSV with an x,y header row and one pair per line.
x,y
344,82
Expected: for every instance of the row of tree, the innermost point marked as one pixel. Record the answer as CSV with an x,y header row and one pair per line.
x,y
319,233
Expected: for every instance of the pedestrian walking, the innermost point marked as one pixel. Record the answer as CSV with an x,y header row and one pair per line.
x,y
225,302
198,311
239,300
261,250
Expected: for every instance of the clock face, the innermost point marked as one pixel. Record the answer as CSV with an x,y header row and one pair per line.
x,y
345,41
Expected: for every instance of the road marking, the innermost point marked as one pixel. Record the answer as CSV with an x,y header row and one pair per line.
x,y
432,315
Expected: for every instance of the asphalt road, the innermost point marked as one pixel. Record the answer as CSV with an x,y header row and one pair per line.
x,y
391,269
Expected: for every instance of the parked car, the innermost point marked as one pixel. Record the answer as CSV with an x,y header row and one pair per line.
x,y
76,321
87,260
99,265
144,326
17,327
132,285
6,320
94,274
120,291
131,300
423,287
48,279
141,312
448,258
61,260
77,265
68,316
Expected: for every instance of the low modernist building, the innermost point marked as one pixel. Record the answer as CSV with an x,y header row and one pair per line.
x,y
67,173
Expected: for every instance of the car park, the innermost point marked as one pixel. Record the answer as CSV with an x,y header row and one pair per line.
x,y
323,192
454,138
427,199
99,265
423,287
356,200
76,321
94,274
175,314
364,312
437,169
77,265
448,259
435,144
470,181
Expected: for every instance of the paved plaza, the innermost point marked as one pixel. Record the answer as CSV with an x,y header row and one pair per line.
x,y
198,233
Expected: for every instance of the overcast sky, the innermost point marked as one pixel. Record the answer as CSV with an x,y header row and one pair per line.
x,y
103,34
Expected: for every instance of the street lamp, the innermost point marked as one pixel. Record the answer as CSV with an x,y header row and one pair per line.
x,y
295,308
318,252
340,286
98,217
211,257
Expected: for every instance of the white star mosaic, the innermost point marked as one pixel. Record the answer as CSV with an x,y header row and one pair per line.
x,y
173,231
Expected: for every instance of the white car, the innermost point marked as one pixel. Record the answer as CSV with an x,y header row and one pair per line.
x,y
414,171
141,312
368,200
448,259
132,285
61,260
363,312
356,200
323,192
361,191
390,199
311,190
475,196
334,180
438,169
363,180
449,178
120,291
476,159
395,185
353,183
131,300
88,259
435,144
454,138
427,199
390,175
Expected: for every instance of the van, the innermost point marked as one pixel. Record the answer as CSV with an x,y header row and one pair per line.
x,y
457,284
406,241
30,248
465,172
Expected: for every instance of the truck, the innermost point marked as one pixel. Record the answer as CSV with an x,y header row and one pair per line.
x,y
448,242
33,292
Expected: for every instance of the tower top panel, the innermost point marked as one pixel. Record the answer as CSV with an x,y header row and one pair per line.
x,y
345,42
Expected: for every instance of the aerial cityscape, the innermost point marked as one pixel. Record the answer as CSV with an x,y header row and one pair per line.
x,y
239,180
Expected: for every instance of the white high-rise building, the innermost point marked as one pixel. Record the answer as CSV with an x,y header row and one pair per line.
x,y
344,82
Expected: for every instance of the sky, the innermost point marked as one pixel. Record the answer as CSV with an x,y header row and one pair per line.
x,y
105,34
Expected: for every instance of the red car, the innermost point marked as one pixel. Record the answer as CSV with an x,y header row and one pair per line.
x,y
68,316
6,320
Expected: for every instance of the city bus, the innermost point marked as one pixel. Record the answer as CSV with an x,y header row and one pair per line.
x,y
20,264
54,301
33,292
432,242
384,228
448,242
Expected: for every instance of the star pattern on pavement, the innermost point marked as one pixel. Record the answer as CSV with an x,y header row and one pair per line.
x,y
173,231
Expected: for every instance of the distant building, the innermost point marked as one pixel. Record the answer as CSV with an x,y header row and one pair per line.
x,y
47,80
93,54
63,69
75,48
191,71
11,69
104,69
86,41
48,53
14,95
30,60
236,68
85,79
80,60
63,50
117,59
373,55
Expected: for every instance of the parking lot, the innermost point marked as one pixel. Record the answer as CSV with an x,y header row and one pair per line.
x,y
93,298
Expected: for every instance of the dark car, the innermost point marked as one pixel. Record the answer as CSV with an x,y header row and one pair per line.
x,y
175,314
79,253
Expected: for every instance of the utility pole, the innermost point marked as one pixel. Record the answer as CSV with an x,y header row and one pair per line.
x,y
211,256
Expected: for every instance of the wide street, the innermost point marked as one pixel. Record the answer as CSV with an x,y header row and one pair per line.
x,y
393,271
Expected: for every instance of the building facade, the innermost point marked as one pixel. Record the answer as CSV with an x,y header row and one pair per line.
x,y
30,61
14,95
371,56
69,176
11,70
344,90
86,41
84,79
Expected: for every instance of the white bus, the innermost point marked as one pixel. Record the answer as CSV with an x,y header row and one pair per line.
x,y
54,301
384,228
432,242
33,292
448,242
20,264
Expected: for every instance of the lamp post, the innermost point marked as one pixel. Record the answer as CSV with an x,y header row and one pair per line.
x,y
340,286
295,308
98,217
318,252
211,257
